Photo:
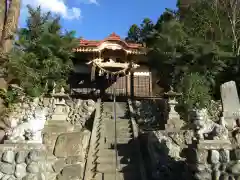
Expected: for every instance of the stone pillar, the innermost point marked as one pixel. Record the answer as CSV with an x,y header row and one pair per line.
x,y
230,103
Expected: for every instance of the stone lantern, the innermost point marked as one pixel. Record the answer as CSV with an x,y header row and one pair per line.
x,y
173,118
61,109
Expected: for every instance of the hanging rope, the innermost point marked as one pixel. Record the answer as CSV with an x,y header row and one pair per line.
x,y
122,71
96,63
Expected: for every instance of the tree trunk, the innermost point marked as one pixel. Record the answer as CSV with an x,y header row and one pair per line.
x,y
3,15
10,26
3,12
9,14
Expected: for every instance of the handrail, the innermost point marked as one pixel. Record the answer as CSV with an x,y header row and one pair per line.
x,y
115,133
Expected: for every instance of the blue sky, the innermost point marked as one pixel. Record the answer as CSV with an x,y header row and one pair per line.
x,y
93,19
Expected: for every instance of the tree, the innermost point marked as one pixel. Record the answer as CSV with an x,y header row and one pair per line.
x,y
134,34
9,21
195,93
230,8
42,53
147,27
200,37
164,51
9,14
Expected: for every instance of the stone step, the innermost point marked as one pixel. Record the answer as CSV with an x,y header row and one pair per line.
x,y
130,152
111,159
120,176
120,140
120,129
123,176
110,168
130,146
119,121
111,134
58,126
120,125
122,153
106,153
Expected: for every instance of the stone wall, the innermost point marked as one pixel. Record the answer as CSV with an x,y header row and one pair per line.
x,y
68,141
61,154
69,149
32,161
215,159
25,161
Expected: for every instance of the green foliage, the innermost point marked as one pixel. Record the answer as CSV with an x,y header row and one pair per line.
x,y
196,92
42,53
197,38
9,97
134,34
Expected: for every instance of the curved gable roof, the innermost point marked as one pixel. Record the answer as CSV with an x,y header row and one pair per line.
x,y
111,38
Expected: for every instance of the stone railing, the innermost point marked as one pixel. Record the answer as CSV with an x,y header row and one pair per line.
x,y
135,136
215,159
90,161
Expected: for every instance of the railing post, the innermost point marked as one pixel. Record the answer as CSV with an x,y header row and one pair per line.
x,y
115,129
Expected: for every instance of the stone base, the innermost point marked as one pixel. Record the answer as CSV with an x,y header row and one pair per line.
x,y
173,115
58,126
174,124
230,122
21,145
21,142
214,144
59,117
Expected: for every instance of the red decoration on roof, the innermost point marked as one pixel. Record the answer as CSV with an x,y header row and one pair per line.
x,y
111,37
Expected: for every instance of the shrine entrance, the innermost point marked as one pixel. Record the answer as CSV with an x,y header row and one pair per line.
x,y
113,65
138,84
120,84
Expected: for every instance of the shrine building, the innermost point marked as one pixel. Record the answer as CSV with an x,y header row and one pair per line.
x,y
100,66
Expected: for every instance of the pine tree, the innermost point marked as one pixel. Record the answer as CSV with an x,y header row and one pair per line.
x,y
42,53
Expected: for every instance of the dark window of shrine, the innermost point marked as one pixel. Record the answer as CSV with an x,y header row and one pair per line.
x,y
106,59
118,60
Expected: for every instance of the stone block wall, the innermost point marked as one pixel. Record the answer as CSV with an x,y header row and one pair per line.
x,y
68,145
67,141
33,161
25,162
215,162
61,155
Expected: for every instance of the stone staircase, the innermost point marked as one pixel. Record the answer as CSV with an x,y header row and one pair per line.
x,y
104,158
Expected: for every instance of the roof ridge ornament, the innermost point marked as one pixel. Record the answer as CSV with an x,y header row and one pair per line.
x,y
113,36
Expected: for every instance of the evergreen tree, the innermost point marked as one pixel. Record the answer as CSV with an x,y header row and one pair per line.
x,y
199,39
42,53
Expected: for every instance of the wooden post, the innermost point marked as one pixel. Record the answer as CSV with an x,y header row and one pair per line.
x,y
129,84
150,83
